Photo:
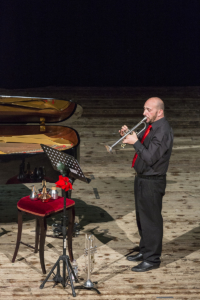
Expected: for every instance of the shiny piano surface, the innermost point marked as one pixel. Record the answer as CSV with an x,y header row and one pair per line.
x,y
25,162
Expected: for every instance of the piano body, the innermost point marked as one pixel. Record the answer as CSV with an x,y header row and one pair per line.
x,y
22,159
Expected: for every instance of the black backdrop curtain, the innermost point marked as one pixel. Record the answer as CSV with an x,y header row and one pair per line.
x,y
99,43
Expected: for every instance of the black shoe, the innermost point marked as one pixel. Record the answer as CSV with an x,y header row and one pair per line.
x,y
144,266
136,257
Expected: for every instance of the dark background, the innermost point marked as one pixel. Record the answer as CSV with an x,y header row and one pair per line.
x,y
99,43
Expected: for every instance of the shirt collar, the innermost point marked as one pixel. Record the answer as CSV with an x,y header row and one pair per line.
x,y
156,124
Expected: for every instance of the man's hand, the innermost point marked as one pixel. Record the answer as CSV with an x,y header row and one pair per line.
x,y
131,139
123,130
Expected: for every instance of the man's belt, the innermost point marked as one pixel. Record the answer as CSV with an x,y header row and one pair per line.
x,y
151,177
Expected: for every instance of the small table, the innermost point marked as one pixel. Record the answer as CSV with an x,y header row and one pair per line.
x,y
41,210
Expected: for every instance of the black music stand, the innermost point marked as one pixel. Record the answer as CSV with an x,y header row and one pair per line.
x,y
68,166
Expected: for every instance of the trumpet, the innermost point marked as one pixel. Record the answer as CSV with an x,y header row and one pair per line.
x,y
90,249
109,148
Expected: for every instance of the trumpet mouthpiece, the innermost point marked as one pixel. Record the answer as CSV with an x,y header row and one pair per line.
x,y
108,148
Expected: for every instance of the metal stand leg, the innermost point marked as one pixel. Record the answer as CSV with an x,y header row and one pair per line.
x,y
58,278
82,287
65,259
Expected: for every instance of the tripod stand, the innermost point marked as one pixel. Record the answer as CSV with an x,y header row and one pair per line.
x,y
65,259
68,166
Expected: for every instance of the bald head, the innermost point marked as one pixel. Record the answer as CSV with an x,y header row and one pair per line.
x,y
159,104
153,109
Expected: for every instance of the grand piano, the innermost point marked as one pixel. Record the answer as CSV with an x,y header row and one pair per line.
x,y
24,126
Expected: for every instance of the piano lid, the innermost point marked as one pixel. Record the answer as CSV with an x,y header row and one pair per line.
x,y
20,109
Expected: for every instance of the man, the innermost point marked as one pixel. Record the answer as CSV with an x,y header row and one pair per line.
x,y
153,150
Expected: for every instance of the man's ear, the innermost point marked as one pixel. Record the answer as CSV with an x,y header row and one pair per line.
x,y
160,112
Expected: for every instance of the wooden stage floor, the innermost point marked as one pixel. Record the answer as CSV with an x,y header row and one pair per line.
x,y
112,217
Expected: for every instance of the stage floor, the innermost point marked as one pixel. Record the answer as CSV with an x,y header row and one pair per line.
x,y
105,207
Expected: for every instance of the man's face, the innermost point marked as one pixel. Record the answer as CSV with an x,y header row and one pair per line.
x,y
150,111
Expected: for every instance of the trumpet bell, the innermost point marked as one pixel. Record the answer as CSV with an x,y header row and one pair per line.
x,y
88,284
108,148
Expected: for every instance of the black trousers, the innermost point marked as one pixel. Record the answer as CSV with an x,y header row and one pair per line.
x,y
148,205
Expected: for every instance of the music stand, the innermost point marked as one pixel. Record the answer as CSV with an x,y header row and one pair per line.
x,y
68,166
